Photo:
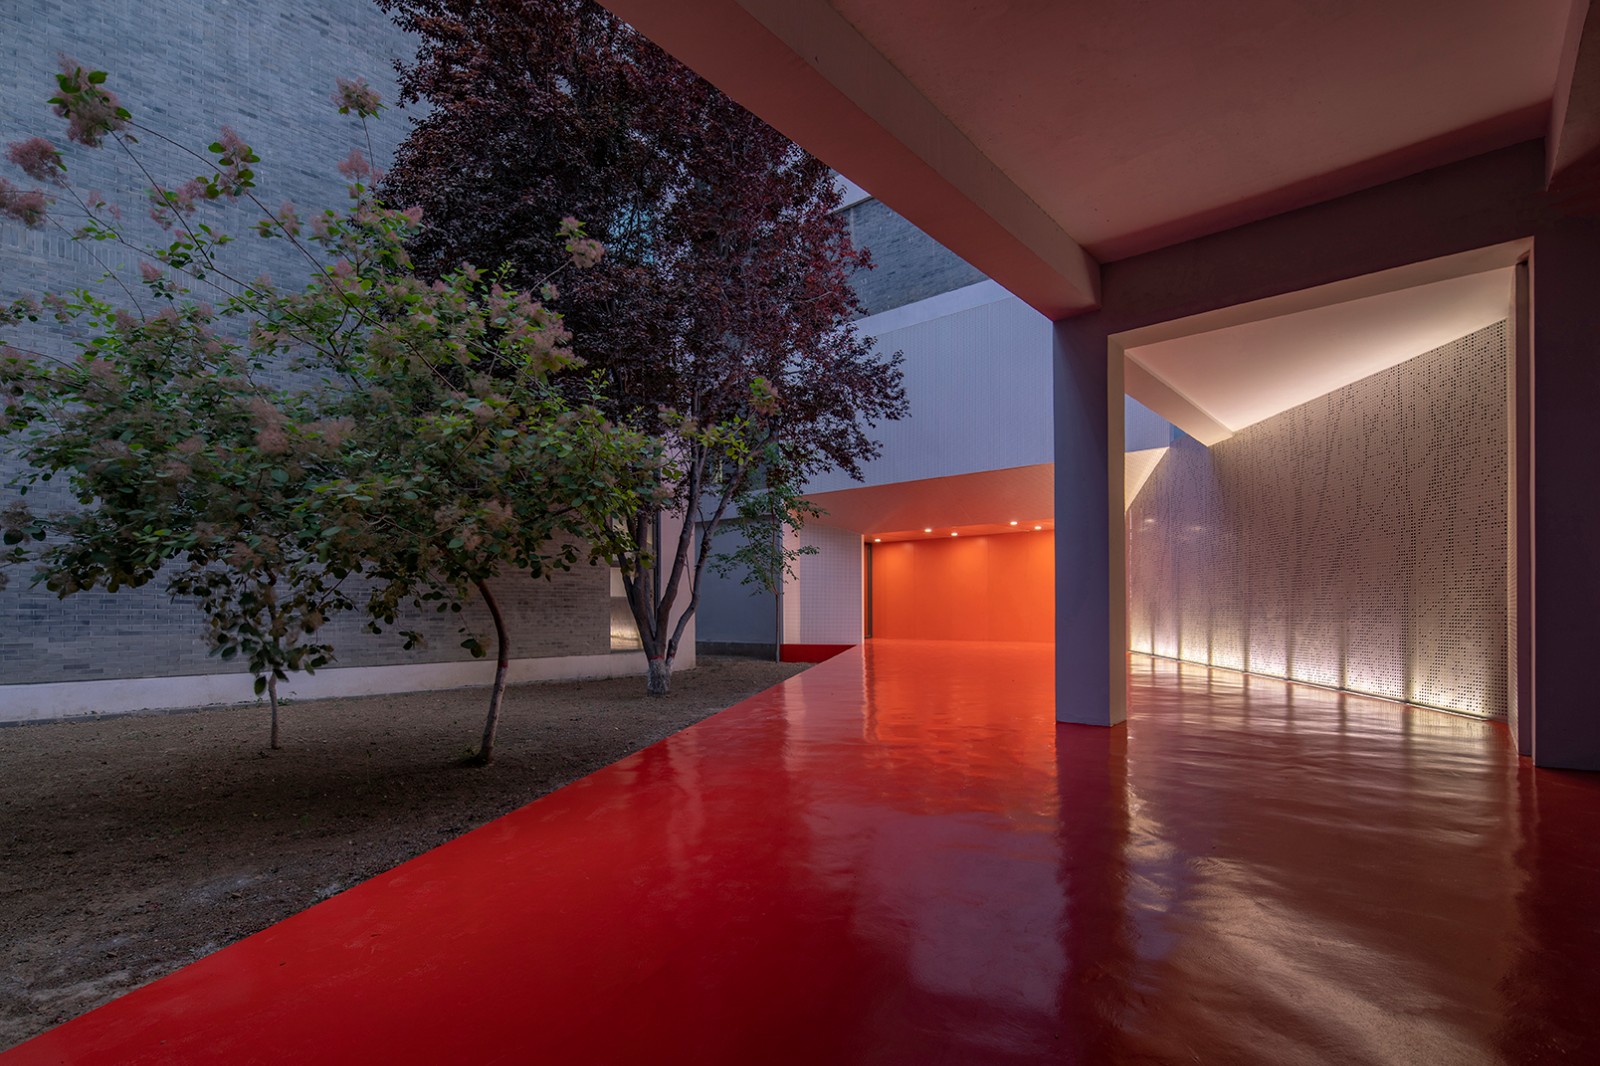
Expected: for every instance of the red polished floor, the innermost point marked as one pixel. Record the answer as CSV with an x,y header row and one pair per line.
x,y
898,857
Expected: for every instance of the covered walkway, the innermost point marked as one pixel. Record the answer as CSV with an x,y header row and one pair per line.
x,y
899,857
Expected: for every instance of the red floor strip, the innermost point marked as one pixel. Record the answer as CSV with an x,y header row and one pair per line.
x,y
898,857
810,653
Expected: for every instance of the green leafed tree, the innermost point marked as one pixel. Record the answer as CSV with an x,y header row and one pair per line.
x,y
424,452
720,318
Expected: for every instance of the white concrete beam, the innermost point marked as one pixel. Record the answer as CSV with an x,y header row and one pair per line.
x,y
1575,105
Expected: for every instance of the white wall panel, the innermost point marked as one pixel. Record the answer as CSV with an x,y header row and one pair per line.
x,y
822,603
977,366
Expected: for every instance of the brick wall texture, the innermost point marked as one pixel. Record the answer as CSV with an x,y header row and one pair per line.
x,y
266,68
908,266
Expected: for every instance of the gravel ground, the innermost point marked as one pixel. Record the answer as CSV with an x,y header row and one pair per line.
x,y
132,845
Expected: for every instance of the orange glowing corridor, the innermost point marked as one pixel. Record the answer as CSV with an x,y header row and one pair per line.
x,y
899,857
988,588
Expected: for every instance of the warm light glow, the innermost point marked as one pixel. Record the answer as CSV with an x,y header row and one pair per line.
x,y
877,540
1038,527
1013,521
1243,373
929,529
928,594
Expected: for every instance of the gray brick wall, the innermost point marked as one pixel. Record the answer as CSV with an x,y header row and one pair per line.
x,y
187,68
142,633
266,68
908,266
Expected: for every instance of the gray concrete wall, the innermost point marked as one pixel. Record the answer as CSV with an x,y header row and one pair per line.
x,y
186,68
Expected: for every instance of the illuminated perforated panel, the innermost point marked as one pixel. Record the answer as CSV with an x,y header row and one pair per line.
x,y
1356,541
822,601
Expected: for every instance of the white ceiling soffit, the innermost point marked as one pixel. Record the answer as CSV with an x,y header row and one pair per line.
x,y
1136,470
993,497
1236,376
989,498
1038,139
1135,126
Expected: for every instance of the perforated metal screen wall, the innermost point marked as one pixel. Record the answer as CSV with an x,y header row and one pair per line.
x,y
822,601
1357,541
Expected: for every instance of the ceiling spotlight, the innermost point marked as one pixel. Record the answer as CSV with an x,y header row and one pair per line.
x,y
955,534
877,540
928,529
1013,521
1038,527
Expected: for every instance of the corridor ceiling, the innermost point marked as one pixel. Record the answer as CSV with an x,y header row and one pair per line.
x,y
1040,138
1135,125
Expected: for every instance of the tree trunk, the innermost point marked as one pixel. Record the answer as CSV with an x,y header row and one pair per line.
x,y
659,682
272,699
502,668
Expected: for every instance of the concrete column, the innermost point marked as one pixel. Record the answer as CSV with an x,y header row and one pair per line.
x,y
1519,512
1091,604
1566,494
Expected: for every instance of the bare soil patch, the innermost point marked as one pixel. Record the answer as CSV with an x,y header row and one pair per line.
x,y
130,846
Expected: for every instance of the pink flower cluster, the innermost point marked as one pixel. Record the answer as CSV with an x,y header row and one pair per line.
x,y
333,431
167,204
22,307
103,372
95,200
91,112
269,421
27,207
357,167
356,95
584,251
38,159
233,161
497,513
289,218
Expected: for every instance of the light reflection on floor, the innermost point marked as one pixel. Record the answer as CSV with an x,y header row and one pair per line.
x,y
898,856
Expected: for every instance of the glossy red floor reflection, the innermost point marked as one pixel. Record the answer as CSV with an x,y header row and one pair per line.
x,y
898,857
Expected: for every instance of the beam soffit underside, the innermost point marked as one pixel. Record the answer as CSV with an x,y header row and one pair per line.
x,y
805,69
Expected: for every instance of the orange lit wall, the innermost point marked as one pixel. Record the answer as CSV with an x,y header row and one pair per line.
x,y
966,588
